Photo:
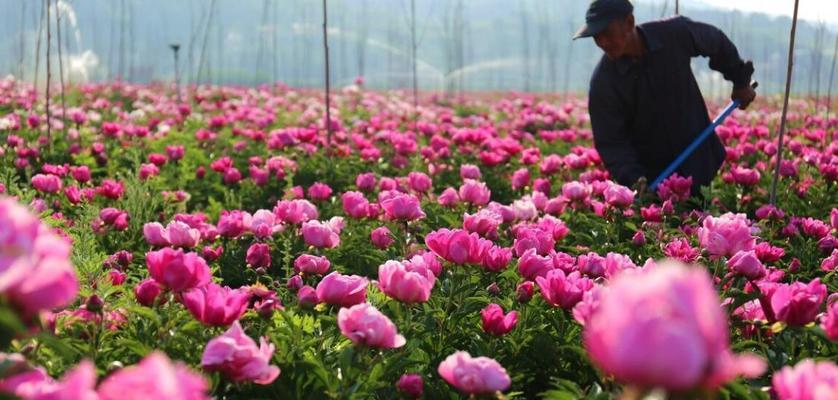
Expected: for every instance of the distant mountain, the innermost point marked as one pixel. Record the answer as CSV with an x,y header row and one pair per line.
x,y
469,45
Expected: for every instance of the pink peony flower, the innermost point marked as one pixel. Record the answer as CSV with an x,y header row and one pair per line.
x,y
747,264
35,269
238,358
295,212
829,322
155,377
381,237
496,259
147,291
531,265
400,206
47,183
406,282
495,322
798,303
263,224
177,270
180,234
808,380
474,192
215,305
313,265
644,316
560,290
342,290
726,235
364,325
355,205
411,385
448,198
319,191
618,196
258,255
419,182
321,234
474,376
77,384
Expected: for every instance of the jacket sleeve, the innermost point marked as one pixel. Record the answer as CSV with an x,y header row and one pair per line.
x,y
608,121
706,40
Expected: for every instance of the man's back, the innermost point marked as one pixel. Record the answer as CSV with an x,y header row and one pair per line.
x,y
645,112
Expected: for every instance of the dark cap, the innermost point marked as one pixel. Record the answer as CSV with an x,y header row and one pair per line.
x,y
600,14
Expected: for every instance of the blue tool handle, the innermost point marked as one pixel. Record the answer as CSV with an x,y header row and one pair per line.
x,y
697,142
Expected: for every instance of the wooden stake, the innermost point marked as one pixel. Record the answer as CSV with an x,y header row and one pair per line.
x,y
785,106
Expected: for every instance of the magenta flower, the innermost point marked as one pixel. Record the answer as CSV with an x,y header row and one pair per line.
x,y
474,192
258,255
155,377
798,303
808,380
411,385
474,376
147,291
618,196
238,358
495,322
406,282
355,205
177,270
35,269
322,234
342,290
381,238
364,325
313,265
215,305
295,212
643,317
747,264
560,290
726,235
400,206
46,183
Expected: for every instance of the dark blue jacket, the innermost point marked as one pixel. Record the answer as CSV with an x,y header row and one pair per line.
x,y
644,113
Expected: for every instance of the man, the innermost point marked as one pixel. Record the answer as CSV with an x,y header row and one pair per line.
x,y
644,102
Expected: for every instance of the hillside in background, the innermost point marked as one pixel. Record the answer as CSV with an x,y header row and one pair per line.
x,y
462,45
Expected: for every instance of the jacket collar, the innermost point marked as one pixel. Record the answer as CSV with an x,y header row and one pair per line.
x,y
653,44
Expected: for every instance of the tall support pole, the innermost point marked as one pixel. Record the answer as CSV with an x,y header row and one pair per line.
x,y
49,74
677,7
22,40
413,61
38,49
175,47
328,88
61,69
785,106
831,78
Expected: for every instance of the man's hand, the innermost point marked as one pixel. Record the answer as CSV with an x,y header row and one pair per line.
x,y
745,95
640,186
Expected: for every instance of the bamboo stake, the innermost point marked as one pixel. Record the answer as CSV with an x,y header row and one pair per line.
x,y
785,106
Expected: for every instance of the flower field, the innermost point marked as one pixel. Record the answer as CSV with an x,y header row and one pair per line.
x,y
228,245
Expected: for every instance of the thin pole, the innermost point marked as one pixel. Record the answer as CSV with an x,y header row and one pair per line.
x,y
61,69
49,75
22,40
175,47
38,48
328,88
785,106
413,59
677,7
831,78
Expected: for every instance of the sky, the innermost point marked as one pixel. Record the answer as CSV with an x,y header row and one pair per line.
x,y
811,10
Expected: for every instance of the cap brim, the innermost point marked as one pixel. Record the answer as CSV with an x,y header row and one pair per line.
x,y
592,28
